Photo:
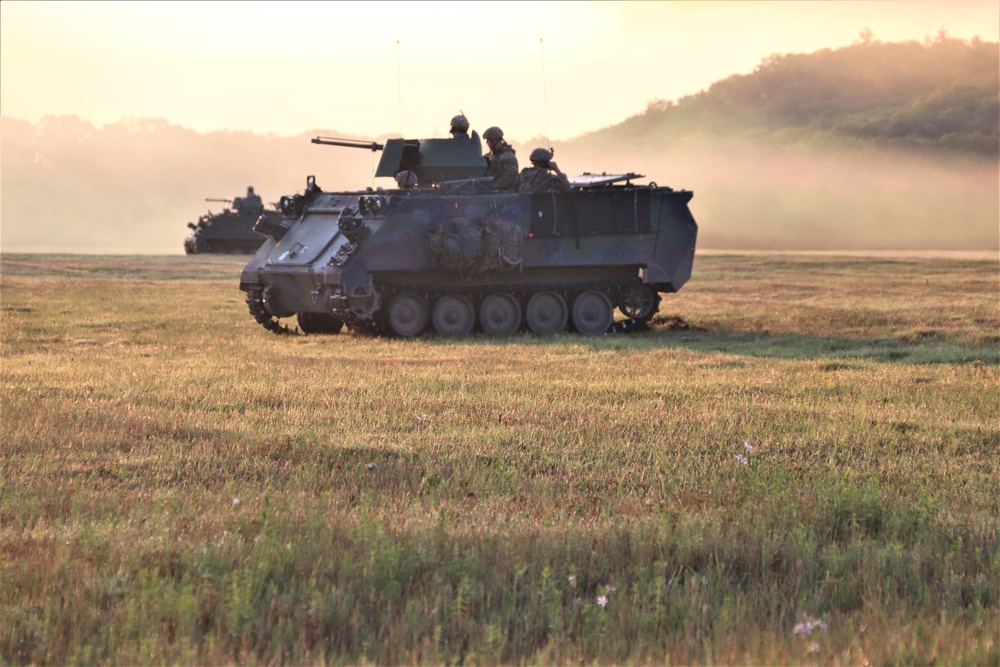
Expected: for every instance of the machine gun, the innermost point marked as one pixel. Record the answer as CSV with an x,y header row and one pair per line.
x,y
349,143
238,205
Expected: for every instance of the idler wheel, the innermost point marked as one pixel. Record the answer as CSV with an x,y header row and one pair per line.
x,y
593,313
407,315
546,313
453,316
500,315
638,301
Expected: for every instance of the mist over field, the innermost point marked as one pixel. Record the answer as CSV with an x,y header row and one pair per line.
x,y
67,186
764,199
134,186
870,147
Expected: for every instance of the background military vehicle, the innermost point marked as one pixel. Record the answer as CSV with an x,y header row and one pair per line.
x,y
231,230
453,256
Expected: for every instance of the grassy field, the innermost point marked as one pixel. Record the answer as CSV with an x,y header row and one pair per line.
x,y
808,473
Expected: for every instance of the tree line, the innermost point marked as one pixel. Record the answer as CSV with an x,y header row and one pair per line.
x,y
941,94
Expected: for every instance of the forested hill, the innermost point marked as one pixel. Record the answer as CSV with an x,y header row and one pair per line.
x,y
939,94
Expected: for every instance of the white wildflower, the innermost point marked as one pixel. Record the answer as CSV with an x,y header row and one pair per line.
x,y
602,601
806,627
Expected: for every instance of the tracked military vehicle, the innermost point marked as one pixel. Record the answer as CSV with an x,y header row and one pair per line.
x,y
447,253
231,230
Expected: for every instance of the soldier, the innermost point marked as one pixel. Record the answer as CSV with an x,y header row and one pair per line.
x,y
460,127
251,202
501,162
539,177
406,180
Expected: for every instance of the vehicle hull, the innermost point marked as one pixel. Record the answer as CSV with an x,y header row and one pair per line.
x,y
349,254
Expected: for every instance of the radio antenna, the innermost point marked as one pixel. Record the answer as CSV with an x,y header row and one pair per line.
x,y
545,93
399,89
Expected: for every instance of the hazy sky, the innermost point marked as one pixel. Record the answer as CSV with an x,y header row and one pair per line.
x,y
377,68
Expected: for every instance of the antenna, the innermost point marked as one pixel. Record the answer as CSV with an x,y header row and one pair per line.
x,y
399,89
545,93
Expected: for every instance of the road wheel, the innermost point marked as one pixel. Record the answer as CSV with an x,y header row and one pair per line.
x,y
407,314
546,313
500,315
593,313
453,316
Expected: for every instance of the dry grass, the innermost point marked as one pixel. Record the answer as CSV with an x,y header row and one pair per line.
x,y
178,485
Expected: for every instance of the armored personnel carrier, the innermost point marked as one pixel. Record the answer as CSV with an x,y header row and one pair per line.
x,y
445,252
231,230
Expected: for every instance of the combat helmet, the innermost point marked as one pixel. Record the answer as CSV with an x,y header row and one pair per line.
x,y
493,133
459,124
542,155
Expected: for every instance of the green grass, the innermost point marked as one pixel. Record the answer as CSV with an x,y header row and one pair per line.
x,y
177,485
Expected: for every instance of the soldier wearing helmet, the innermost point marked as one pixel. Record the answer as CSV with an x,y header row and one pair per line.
x,y
543,175
501,162
250,204
460,126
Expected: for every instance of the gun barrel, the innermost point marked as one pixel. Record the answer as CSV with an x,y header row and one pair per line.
x,y
349,143
218,200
